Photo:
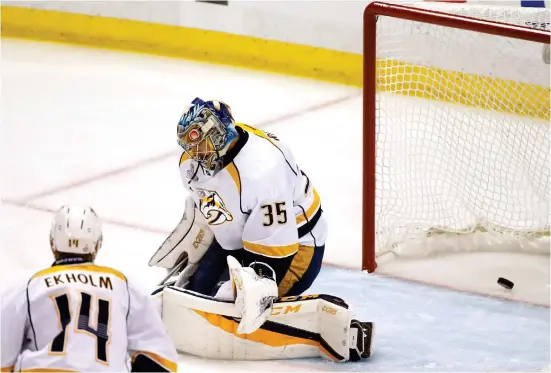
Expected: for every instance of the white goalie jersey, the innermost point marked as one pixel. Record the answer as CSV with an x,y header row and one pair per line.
x,y
261,200
82,317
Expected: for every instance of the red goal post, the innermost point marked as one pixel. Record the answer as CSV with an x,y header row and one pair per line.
x,y
371,14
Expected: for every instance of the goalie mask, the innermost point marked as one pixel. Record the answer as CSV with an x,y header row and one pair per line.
x,y
205,132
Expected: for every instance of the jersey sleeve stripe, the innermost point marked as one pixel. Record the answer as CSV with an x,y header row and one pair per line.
x,y
304,229
271,251
168,364
299,265
311,210
7,369
86,267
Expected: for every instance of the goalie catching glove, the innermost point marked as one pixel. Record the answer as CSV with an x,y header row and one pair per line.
x,y
192,236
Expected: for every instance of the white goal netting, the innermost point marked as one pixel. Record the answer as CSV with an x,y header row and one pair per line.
x,y
463,142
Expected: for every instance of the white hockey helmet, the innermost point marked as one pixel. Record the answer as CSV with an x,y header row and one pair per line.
x,y
76,230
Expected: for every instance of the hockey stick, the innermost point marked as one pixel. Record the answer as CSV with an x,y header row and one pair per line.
x,y
177,268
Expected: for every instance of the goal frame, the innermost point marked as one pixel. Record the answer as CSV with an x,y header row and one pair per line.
x,y
372,11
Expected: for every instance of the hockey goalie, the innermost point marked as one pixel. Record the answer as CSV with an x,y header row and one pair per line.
x,y
245,319
250,243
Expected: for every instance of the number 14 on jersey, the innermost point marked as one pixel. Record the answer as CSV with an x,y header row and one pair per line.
x,y
100,333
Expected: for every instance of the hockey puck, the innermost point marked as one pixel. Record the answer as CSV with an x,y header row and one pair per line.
x,y
505,283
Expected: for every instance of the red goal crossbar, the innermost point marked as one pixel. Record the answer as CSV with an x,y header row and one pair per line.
x,y
371,13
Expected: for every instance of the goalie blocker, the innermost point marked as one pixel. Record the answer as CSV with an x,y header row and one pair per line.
x,y
297,327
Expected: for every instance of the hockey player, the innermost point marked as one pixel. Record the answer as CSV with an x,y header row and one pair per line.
x,y
258,205
78,316
250,241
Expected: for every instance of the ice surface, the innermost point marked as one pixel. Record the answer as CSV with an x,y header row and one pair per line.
x,y
89,126
424,329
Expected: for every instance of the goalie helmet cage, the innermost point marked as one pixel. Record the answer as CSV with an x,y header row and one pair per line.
x,y
370,87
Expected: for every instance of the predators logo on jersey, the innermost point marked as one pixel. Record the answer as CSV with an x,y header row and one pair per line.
x,y
213,208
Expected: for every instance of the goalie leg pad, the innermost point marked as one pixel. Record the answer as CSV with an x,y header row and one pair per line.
x,y
207,327
297,327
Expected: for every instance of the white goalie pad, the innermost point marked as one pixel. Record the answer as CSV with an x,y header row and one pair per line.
x,y
297,327
192,235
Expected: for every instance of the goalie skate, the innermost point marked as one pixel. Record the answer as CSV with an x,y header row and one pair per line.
x,y
361,340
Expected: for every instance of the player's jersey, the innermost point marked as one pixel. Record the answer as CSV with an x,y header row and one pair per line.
x,y
261,200
81,317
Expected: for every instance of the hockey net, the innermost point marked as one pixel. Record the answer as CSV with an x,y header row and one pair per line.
x,y
456,130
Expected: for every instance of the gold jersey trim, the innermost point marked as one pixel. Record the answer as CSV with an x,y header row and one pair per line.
x,y
271,251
